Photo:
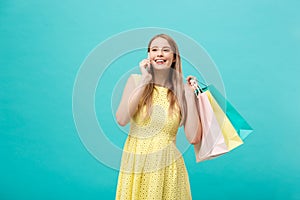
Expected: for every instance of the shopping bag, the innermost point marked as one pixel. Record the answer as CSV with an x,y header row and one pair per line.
x,y
238,122
217,141
218,134
230,135
212,140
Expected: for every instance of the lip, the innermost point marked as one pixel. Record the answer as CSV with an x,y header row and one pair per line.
x,y
160,59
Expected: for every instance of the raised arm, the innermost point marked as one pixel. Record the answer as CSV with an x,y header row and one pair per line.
x,y
132,94
130,100
192,125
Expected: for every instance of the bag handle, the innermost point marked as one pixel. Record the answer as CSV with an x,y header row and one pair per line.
x,y
198,89
205,85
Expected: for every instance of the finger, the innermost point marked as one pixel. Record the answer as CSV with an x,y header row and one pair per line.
x,y
144,63
147,63
194,87
148,59
188,78
191,77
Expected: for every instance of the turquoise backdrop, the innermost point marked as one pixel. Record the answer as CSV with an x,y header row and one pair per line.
x,y
255,45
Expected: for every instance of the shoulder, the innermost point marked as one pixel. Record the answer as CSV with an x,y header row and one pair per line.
x,y
186,86
188,90
132,81
136,75
135,78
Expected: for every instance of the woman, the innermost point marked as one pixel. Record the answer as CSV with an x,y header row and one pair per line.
x,y
157,103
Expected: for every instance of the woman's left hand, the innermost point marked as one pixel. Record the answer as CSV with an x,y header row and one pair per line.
x,y
191,86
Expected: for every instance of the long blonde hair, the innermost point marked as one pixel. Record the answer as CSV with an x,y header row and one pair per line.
x,y
175,78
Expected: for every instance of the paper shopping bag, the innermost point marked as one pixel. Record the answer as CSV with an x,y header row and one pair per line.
x,y
212,140
239,123
218,134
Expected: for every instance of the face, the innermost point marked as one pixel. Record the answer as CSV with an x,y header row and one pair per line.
x,y
161,54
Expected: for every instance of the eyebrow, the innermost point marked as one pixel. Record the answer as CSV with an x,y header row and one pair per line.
x,y
162,47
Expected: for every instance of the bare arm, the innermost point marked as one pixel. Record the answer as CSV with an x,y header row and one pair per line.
x,y
132,94
130,100
192,126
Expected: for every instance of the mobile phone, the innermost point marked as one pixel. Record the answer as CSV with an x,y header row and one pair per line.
x,y
148,68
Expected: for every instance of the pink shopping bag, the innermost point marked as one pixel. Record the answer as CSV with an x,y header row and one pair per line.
x,y
212,143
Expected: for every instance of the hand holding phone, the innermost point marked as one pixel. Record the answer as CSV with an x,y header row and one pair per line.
x,y
148,67
145,67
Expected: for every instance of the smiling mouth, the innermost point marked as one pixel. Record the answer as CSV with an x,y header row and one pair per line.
x,y
160,61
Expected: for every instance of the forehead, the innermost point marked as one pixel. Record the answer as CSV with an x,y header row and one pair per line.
x,y
160,42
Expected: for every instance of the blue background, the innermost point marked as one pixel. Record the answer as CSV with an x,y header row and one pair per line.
x,y
43,43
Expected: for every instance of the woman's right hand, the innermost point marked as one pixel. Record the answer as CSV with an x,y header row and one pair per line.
x,y
146,75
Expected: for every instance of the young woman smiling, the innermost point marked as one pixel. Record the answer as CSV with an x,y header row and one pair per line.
x,y
156,103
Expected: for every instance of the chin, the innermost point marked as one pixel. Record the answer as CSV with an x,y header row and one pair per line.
x,y
161,66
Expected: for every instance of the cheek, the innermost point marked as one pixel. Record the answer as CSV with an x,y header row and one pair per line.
x,y
170,57
152,55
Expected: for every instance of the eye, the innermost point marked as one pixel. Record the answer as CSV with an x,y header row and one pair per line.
x,y
154,49
166,49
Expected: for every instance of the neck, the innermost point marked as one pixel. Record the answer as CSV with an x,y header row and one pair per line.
x,y
161,76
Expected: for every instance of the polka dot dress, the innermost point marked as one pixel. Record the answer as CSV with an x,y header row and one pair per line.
x,y
152,168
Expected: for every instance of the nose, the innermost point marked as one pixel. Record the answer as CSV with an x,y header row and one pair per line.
x,y
160,52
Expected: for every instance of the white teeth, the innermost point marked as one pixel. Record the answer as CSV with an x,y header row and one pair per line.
x,y
159,60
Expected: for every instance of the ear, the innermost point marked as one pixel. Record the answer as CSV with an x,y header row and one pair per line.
x,y
148,55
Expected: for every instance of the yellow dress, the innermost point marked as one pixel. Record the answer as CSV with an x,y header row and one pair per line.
x,y
151,166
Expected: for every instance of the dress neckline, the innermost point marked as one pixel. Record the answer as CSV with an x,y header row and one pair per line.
x,y
160,87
